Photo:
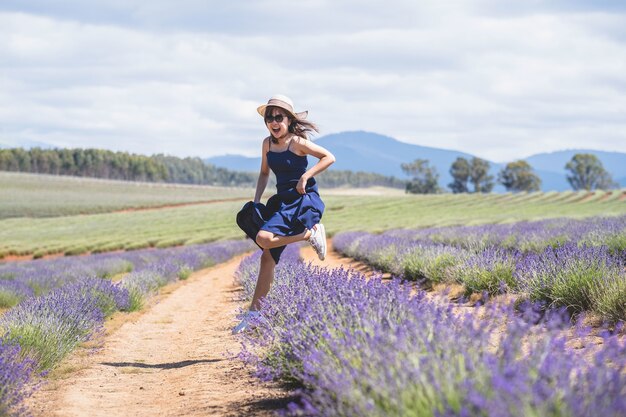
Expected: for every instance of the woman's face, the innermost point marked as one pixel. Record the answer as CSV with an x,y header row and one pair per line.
x,y
278,129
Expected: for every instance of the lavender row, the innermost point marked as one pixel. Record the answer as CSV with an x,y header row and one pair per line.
x,y
15,379
19,280
48,327
367,347
579,277
532,236
40,331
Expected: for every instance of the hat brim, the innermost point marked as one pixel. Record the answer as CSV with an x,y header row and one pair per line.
x,y
301,115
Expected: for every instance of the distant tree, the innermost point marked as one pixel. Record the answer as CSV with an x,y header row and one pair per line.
x,y
460,171
479,175
474,171
519,176
587,173
424,177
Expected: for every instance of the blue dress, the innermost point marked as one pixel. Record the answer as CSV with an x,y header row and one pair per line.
x,y
289,212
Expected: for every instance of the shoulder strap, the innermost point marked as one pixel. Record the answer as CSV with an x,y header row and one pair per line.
x,y
269,144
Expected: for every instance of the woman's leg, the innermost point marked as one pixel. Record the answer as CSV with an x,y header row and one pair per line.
x,y
264,281
268,240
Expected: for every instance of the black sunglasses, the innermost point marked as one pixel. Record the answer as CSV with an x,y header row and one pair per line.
x,y
279,118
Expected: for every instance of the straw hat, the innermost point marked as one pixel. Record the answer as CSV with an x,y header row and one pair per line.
x,y
284,103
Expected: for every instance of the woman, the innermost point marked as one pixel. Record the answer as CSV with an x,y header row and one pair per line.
x,y
294,213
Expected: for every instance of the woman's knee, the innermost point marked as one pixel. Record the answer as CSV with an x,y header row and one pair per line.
x,y
264,239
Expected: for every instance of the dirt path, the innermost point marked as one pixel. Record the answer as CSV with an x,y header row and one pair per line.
x,y
172,359
334,260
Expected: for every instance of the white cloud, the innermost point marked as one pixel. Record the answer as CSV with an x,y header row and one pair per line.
x,y
146,78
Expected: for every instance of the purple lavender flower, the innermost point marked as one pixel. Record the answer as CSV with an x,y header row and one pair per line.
x,y
15,379
12,292
568,275
49,327
565,262
491,270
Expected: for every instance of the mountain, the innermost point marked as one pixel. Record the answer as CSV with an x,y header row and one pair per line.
x,y
371,152
236,162
365,151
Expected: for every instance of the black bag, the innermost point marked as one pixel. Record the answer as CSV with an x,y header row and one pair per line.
x,y
251,218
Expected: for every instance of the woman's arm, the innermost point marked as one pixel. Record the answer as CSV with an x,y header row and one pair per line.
x,y
326,159
264,174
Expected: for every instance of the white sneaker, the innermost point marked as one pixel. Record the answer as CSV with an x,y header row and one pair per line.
x,y
318,240
245,323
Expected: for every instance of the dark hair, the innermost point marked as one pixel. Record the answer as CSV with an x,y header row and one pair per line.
x,y
299,127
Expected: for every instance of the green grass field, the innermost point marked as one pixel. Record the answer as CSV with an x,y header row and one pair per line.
x,y
32,195
379,213
199,223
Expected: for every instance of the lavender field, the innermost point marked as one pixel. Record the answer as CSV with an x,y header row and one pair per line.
x,y
54,305
355,346
352,346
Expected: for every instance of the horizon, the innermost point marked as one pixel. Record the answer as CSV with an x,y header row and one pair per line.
x,y
496,81
204,158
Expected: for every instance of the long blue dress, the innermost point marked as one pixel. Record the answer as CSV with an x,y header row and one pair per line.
x,y
289,212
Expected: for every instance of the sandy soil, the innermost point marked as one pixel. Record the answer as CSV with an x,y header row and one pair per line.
x,y
334,260
175,358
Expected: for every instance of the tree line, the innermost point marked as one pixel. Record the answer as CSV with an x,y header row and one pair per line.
x,y
585,172
98,163
469,175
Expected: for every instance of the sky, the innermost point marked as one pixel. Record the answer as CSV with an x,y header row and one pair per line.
x,y
501,80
